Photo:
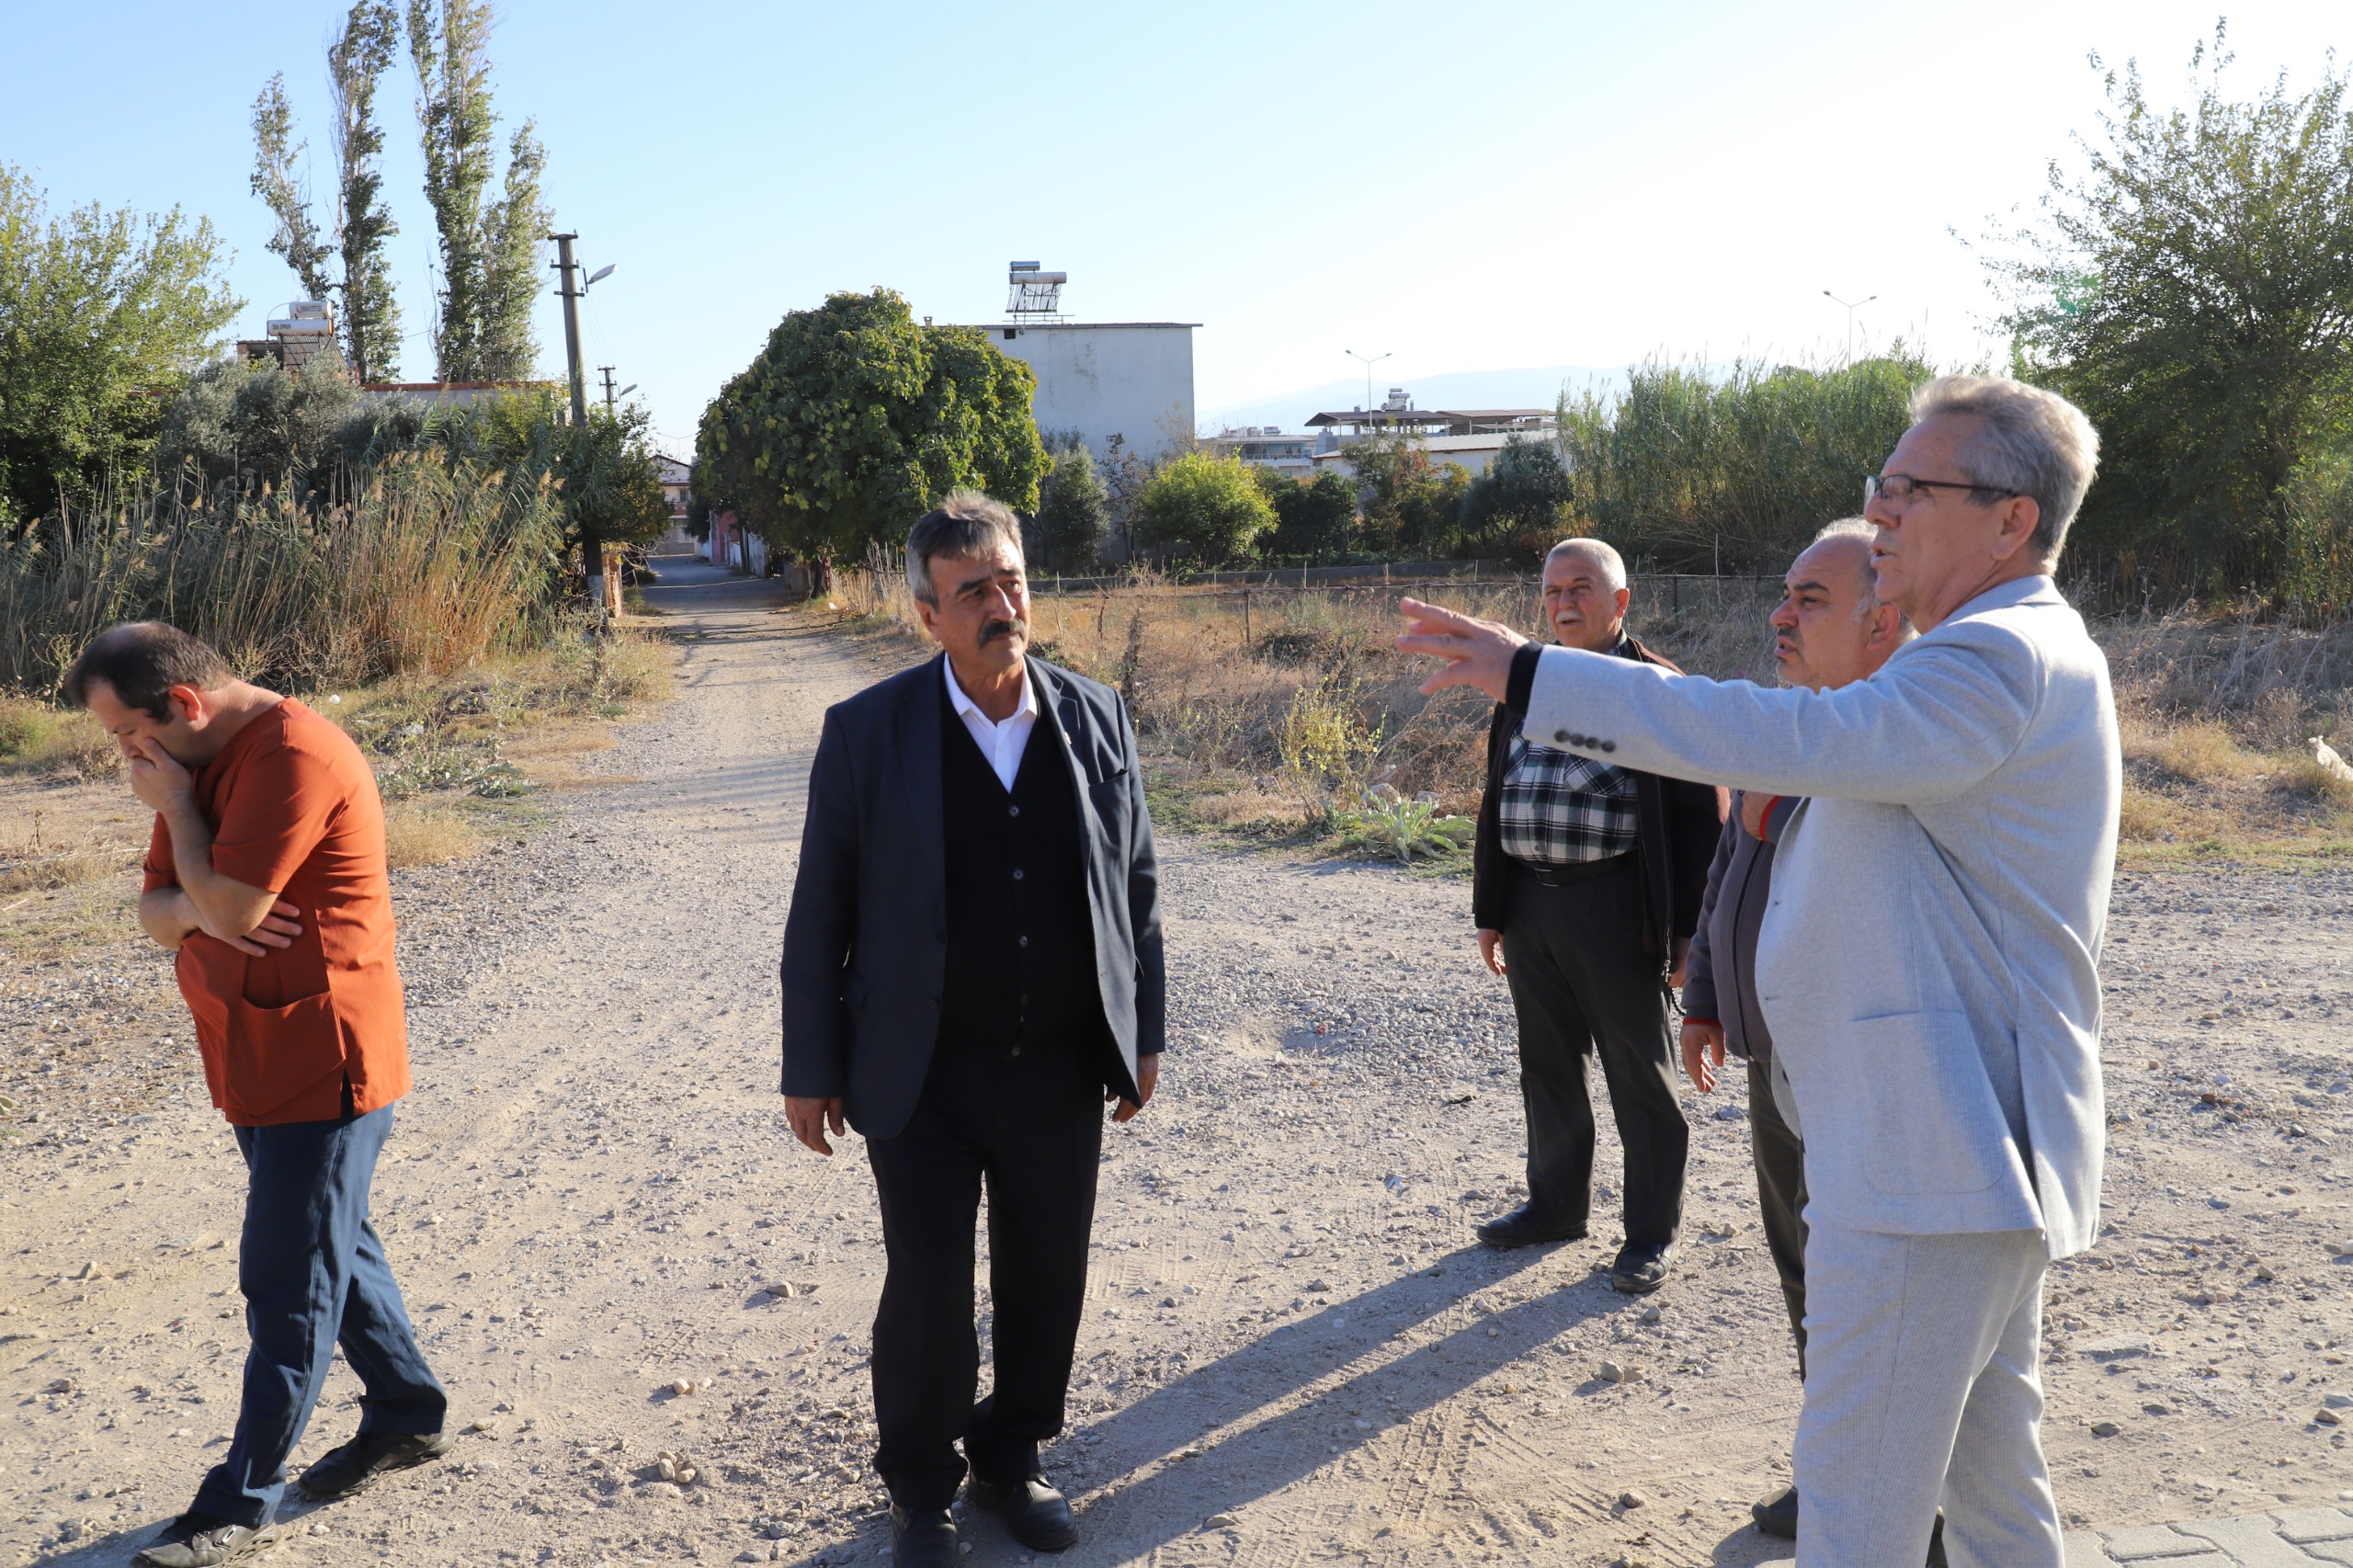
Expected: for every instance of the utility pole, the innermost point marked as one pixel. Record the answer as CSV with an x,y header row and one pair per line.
x,y
610,395
592,548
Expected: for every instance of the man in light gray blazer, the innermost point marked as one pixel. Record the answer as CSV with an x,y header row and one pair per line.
x,y
1954,854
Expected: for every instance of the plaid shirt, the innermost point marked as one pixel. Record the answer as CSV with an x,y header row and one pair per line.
x,y
1560,809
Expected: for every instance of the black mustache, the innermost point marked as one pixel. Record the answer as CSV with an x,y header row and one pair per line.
x,y
996,629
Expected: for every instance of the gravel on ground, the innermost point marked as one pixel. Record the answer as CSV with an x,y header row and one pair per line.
x,y
652,1308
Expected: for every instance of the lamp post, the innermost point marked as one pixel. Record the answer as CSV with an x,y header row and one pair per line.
x,y
1852,306
1369,361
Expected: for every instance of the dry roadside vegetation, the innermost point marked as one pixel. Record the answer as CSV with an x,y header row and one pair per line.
x,y
1270,713
458,758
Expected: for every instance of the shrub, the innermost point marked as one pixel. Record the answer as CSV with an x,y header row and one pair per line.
x,y
1204,509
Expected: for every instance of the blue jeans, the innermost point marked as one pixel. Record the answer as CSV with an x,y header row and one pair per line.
x,y
313,1275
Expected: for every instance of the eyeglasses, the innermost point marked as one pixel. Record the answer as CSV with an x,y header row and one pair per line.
x,y
1901,489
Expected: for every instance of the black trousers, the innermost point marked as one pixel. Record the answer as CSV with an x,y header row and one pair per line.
x,y
1582,984
1780,1194
1027,1124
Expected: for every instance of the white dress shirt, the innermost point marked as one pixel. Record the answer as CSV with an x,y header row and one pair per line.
x,y
1001,743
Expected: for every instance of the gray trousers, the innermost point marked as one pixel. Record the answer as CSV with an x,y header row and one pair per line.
x,y
1922,1387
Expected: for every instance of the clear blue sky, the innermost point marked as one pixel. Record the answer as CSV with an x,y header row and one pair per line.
x,y
1468,187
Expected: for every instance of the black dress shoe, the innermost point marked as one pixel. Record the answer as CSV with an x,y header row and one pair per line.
x,y
201,1540
353,1468
1642,1269
922,1538
1525,1227
1778,1515
1038,1516
1937,1542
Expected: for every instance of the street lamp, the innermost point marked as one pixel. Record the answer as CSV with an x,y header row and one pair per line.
x,y
1852,306
1369,361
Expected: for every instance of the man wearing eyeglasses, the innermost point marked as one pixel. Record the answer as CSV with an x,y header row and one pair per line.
x,y
1928,965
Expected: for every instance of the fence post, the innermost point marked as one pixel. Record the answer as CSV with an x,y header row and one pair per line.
x,y
1246,621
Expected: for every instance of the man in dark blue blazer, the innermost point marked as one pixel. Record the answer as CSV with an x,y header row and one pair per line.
x,y
971,969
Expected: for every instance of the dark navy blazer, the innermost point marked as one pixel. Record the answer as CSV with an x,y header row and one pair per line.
x,y
865,944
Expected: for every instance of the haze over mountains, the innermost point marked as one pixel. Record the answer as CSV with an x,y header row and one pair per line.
x,y
1537,386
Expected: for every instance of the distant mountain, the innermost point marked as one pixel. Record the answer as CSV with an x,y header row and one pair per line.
x,y
1535,387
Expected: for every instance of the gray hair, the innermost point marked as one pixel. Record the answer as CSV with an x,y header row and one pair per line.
x,y
2031,442
1612,564
1866,530
966,523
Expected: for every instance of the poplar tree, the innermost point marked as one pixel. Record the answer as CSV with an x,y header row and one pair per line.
x,y
284,190
371,315
514,227
450,52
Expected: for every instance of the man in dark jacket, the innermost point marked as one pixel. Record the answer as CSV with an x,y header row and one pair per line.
x,y
1586,887
1829,630
972,968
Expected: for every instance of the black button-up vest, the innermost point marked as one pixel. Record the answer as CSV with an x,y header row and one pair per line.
x,y
1020,939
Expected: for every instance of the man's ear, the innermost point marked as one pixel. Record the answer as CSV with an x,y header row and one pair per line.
x,y
187,704
1623,597
1887,627
2015,524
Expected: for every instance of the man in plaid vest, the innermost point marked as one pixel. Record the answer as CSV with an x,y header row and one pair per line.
x,y
1586,891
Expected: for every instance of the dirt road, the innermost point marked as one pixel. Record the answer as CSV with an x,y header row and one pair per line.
x,y
1293,1351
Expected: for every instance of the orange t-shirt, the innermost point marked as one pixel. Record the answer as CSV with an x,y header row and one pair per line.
x,y
294,809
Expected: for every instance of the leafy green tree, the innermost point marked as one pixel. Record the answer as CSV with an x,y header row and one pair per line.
x,y
483,329
1517,501
853,420
99,311
371,315
1203,508
249,425
1735,470
513,229
284,192
607,471
1411,504
2193,294
1073,510
356,61
1313,517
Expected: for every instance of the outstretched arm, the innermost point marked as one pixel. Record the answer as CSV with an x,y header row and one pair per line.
x,y
1936,719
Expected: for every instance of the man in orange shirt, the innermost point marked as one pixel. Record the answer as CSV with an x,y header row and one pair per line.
x,y
267,877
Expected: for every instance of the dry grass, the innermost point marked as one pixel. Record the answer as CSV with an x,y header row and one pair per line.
x,y
417,833
36,738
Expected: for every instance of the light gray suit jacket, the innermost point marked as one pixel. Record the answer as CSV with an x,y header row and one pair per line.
x,y
1928,965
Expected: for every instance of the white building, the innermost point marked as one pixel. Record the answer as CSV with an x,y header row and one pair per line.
x,y
1268,445
1134,380
1470,436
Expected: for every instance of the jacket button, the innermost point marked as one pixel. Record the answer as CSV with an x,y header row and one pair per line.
x,y
1561,736
1017,873
1021,941
1013,811
941,937
1610,746
935,1003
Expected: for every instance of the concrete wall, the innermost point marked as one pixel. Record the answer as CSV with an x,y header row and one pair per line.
x,y
1131,379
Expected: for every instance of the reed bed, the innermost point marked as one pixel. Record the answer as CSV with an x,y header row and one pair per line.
x,y
433,567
